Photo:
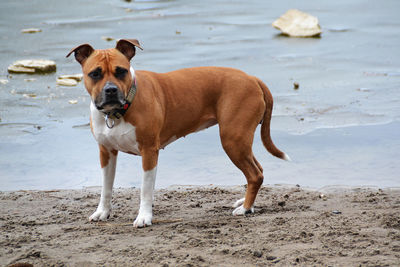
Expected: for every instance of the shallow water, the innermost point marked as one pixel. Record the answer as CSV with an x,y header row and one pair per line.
x,y
340,127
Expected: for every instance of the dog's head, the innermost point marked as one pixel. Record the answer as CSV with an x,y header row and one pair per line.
x,y
107,73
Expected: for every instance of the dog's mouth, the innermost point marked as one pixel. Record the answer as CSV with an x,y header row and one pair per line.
x,y
110,105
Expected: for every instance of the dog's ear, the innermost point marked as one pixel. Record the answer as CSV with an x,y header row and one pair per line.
x,y
82,52
128,47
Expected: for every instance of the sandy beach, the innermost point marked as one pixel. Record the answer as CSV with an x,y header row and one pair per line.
x,y
193,226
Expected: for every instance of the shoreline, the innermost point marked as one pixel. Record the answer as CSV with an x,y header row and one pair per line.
x,y
181,187
193,226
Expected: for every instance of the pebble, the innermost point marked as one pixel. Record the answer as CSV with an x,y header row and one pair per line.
x,y
73,101
66,82
3,81
323,197
78,77
108,39
29,95
257,254
336,212
31,30
296,85
271,258
69,80
281,203
296,23
32,66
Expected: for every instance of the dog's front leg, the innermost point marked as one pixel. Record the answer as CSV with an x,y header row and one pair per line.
x,y
149,161
108,160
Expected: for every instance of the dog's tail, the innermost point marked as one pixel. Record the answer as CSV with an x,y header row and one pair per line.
x,y
265,125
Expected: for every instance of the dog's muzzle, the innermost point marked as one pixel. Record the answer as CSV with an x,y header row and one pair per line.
x,y
110,98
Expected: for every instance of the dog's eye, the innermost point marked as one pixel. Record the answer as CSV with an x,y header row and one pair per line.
x,y
120,73
96,74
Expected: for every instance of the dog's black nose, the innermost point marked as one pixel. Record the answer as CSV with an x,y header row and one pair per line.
x,y
110,89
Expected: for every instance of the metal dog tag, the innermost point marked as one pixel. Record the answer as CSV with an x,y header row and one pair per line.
x,y
107,120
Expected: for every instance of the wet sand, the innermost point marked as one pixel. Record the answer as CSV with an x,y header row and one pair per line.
x,y
193,226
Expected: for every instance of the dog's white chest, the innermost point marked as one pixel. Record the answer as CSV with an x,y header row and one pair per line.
x,y
121,137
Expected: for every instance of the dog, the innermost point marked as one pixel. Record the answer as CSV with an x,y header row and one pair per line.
x,y
141,112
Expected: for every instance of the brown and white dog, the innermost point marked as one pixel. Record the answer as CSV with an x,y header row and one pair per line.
x,y
140,112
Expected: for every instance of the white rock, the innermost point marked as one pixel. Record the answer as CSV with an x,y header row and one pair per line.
x,y
19,69
31,30
32,66
67,82
76,77
31,95
73,101
3,81
296,23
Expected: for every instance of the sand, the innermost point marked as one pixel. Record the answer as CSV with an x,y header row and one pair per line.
x,y
193,226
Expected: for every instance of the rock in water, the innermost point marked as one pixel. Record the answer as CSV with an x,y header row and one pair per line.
x,y
107,38
296,23
32,66
31,30
77,77
19,69
67,82
3,81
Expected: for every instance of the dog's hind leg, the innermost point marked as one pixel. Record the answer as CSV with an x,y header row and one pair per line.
x,y
238,118
254,181
240,202
238,148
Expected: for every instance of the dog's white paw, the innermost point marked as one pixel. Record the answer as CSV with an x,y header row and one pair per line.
x,y
142,220
242,211
100,215
238,203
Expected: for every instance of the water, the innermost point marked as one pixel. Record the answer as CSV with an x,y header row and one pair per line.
x,y
340,127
